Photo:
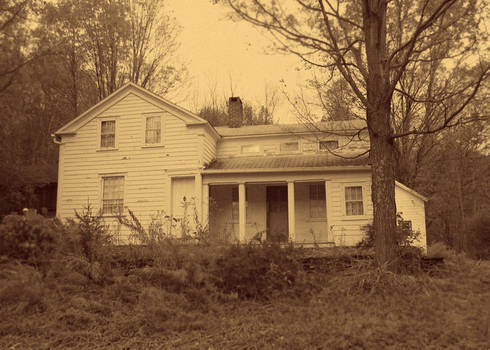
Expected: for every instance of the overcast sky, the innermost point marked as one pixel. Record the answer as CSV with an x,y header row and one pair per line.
x,y
223,55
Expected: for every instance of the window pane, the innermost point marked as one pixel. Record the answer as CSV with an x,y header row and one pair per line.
x,y
354,208
353,193
108,133
113,195
153,130
328,145
289,146
317,192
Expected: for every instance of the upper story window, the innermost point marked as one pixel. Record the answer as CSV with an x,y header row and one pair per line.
x,y
325,146
153,131
108,134
289,147
318,208
250,148
112,195
353,201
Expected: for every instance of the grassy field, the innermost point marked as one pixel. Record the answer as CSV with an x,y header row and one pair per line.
x,y
78,305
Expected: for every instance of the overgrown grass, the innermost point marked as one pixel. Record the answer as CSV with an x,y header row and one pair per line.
x,y
168,295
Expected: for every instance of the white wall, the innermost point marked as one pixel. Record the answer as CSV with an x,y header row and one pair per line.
x,y
146,169
412,208
270,145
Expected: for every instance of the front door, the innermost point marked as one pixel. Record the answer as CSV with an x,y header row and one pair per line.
x,y
277,214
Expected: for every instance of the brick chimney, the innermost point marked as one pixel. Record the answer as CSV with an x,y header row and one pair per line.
x,y
235,112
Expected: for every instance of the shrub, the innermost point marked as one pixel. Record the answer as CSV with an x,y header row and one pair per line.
x,y
439,250
404,235
259,272
33,239
93,237
21,288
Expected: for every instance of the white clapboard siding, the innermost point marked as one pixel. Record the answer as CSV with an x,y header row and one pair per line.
x,y
412,208
232,147
145,169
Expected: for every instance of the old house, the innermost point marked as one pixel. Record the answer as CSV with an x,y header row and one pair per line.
x,y
137,150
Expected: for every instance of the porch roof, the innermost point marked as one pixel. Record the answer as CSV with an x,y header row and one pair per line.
x,y
297,162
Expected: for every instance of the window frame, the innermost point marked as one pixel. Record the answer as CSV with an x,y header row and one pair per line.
x,y
115,119
258,151
297,150
102,178
324,200
162,128
327,149
362,201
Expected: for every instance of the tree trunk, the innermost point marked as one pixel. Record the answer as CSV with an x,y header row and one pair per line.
x,y
383,196
379,94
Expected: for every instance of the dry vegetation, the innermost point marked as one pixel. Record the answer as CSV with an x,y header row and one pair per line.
x,y
55,294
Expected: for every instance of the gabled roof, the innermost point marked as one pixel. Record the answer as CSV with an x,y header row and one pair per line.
x,y
337,127
409,190
188,117
284,162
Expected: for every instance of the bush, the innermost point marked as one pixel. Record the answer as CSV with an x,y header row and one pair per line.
x,y
93,237
259,272
21,288
404,235
33,239
478,236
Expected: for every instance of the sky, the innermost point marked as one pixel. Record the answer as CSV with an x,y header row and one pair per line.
x,y
227,57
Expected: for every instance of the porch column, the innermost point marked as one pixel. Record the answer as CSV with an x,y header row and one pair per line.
x,y
242,213
205,205
328,208
291,212
198,195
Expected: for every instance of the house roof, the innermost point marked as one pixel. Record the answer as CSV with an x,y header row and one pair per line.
x,y
409,190
337,127
188,117
289,162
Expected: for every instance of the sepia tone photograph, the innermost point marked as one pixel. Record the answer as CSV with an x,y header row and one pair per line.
x,y
244,174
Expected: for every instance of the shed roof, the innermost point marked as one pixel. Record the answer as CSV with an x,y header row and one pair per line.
x,y
285,162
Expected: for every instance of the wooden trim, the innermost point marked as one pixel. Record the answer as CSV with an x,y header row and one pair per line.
x,y
291,213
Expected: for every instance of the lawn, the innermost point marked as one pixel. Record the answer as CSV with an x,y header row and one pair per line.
x,y
66,286
356,308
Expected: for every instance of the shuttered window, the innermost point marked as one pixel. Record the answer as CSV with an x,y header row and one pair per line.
x,y
353,201
153,133
112,195
108,134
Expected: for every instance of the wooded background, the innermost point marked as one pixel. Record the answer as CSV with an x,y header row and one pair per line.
x,y
60,58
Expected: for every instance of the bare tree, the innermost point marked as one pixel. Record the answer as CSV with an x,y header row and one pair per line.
x,y
373,44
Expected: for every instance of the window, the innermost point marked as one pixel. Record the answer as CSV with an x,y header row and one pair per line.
x,y
317,201
112,194
325,146
289,147
234,203
250,148
108,134
153,133
353,201
405,225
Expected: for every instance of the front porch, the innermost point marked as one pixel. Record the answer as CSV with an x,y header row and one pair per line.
x,y
278,211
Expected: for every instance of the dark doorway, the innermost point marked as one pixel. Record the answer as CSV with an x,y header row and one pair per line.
x,y
277,214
